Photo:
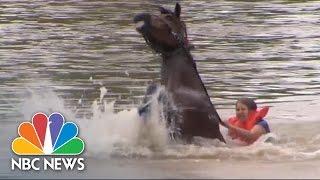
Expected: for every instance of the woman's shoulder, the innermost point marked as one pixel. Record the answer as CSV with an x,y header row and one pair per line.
x,y
262,121
264,124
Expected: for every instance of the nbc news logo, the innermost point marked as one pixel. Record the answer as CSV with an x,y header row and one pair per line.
x,y
47,137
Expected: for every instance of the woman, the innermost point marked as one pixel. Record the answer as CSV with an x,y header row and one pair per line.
x,y
248,124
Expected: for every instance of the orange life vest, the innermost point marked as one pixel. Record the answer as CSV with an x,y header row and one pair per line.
x,y
254,116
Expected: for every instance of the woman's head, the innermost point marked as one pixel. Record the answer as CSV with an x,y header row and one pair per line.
x,y
243,107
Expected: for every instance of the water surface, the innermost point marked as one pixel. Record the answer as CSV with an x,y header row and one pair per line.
x,y
57,55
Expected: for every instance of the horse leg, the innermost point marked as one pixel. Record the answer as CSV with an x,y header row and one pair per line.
x,y
198,123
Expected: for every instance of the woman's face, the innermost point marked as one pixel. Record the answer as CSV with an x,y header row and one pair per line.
x,y
242,111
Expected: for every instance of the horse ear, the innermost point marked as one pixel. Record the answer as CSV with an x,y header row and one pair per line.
x,y
177,10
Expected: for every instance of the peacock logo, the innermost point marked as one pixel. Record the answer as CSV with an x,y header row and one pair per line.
x,y
48,136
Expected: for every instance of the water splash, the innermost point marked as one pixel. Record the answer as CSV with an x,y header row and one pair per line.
x,y
108,134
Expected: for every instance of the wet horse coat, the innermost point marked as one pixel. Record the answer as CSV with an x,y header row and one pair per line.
x,y
166,34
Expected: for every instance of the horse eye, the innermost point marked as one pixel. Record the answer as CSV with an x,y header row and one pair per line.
x,y
169,17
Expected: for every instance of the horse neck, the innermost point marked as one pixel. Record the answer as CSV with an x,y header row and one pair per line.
x,y
179,70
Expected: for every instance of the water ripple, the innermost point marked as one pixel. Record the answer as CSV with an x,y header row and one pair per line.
x,y
266,50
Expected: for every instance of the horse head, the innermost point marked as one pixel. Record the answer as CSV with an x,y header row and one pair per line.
x,y
165,32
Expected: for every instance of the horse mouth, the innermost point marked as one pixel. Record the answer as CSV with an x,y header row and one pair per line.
x,y
139,26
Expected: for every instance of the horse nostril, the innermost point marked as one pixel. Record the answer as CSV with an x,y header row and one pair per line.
x,y
141,17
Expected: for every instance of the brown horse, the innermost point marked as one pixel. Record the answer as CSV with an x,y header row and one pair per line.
x,y
166,34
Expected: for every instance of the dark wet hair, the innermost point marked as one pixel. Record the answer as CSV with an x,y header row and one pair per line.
x,y
248,102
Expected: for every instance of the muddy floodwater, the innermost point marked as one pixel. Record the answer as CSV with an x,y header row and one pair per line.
x,y
85,59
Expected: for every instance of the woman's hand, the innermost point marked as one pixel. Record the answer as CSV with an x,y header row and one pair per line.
x,y
224,124
245,135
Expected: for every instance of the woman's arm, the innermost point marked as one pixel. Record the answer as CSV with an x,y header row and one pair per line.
x,y
248,136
